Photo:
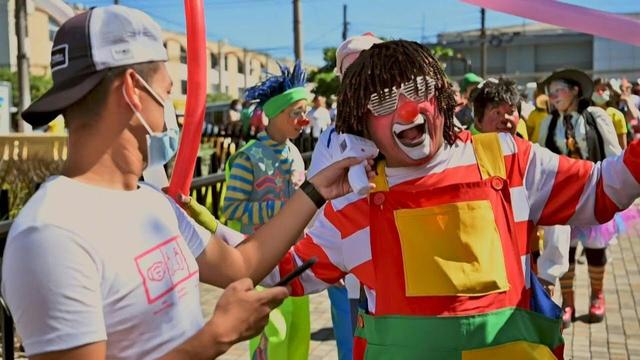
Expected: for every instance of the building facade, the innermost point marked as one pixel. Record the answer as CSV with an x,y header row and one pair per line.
x,y
231,69
529,52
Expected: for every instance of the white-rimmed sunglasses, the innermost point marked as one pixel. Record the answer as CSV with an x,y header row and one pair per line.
x,y
419,89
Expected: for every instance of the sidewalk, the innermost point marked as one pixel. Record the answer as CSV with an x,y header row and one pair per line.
x,y
323,344
618,336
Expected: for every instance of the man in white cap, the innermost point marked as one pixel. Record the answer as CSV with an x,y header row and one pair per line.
x,y
99,265
344,300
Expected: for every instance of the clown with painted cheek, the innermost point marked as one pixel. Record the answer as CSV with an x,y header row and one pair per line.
x,y
409,136
440,244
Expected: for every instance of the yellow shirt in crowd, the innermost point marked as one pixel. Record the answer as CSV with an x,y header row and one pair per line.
x,y
533,123
619,122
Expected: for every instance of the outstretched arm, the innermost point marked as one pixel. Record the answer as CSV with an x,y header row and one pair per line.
x,y
256,257
561,190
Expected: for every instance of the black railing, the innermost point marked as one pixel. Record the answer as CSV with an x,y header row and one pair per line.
x,y
203,186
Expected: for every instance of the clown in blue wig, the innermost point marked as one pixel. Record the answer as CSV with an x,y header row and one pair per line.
x,y
261,177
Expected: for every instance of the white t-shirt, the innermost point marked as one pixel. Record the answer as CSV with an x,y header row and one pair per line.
x,y
85,264
320,120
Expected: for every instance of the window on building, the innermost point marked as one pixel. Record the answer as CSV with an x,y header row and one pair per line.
x,y
240,67
226,63
183,87
53,28
214,61
183,55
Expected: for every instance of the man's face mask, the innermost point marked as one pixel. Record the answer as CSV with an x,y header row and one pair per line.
x,y
161,146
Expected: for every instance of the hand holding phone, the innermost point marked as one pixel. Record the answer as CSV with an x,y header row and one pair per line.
x,y
297,272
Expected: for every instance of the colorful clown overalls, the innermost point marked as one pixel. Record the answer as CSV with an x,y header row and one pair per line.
x,y
449,277
272,168
442,252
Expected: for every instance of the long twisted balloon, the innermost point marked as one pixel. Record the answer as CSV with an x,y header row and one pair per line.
x,y
196,98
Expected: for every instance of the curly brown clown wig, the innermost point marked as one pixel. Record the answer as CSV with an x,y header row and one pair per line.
x,y
384,66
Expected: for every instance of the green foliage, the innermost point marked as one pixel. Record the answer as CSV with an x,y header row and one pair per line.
x,y
327,82
218,97
39,84
441,52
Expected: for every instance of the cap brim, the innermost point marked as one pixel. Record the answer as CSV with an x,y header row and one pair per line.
x,y
58,98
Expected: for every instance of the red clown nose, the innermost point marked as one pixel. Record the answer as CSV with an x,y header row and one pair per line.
x,y
408,112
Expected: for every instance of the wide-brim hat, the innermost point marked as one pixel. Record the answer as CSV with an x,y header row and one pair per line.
x,y
580,77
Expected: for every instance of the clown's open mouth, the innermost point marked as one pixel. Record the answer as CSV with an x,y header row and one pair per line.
x,y
411,135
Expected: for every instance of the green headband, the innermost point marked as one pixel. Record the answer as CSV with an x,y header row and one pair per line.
x,y
277,104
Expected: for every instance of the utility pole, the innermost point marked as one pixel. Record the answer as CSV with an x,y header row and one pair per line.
x,y
423,39
345,23
24,85
222,63
483,45
297,29
247,67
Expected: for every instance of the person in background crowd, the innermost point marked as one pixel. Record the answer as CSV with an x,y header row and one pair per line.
x,y
333,108
344,298
495,108
232,117
262,177
465,113
584,132
601,98
536,116
626,102
635,90
455,87
319,116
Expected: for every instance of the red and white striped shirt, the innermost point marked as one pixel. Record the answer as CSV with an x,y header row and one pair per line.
x,y
546,189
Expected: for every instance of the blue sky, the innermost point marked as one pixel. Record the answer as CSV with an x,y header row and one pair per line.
x,y
266,25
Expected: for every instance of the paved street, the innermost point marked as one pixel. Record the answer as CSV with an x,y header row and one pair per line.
x,y
323,345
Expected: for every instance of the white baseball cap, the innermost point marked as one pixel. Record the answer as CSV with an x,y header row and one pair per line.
x,y
349,50
89,44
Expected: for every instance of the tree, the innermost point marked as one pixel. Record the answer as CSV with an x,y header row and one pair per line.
x,y
39,84
218,97
327,82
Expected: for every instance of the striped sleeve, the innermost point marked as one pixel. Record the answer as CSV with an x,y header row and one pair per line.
x,y
339,239
236,205
577,192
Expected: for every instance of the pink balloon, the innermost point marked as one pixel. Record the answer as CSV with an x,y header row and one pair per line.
x,y
599,23
196,99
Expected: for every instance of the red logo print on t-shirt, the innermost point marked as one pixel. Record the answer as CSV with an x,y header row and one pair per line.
x,y
164,267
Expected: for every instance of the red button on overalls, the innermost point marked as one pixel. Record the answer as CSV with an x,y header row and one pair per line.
x,y
378,199
497,183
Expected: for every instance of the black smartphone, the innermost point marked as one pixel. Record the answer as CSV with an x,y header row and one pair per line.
x,y
297,272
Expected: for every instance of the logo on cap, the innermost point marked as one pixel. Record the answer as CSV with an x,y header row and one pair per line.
x,y
59,57
122,53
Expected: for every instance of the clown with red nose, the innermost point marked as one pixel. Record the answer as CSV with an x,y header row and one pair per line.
x,y
440,245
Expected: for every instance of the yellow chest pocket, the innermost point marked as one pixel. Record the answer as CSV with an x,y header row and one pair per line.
x,y
451,249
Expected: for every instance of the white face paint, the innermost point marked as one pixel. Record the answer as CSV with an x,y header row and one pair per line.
x,y
415,140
